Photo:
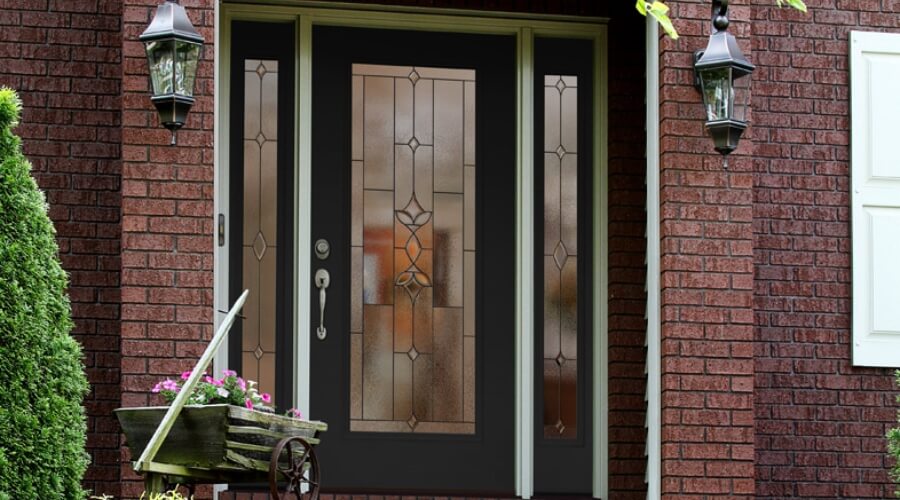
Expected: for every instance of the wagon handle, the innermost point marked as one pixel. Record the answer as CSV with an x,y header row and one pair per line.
x,y
172,413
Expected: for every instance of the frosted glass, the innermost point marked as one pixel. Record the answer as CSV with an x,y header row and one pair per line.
x,y
413,250
560,261
260,217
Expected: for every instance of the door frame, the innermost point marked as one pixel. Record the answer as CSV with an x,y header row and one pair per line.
x,y
524,27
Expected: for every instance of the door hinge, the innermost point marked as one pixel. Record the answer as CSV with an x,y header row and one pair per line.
x,y
221,230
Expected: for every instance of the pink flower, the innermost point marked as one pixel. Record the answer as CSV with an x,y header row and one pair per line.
x,y
295,413
248,403
266,397
229,373
156,388
186,375
213,381
240,383
169,385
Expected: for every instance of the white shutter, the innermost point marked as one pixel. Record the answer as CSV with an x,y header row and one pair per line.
x,y
875,197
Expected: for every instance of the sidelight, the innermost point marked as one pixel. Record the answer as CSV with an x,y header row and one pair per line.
x,y
560,256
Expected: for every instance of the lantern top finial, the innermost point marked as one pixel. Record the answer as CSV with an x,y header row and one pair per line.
x,y
722,49
171,21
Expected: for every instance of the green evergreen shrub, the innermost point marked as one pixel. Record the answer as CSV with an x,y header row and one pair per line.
x,y
893,436
42,381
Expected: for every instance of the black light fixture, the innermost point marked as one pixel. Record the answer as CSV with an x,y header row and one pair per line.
x,y
173,53
720,74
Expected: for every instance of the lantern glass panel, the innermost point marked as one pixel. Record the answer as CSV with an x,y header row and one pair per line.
x,y
718,94
741,88
187,56
160,55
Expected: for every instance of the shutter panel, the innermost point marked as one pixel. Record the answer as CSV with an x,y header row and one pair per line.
x,y
875,197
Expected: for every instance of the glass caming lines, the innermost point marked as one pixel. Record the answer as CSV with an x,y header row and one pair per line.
x,y
412,306
560,257
259,243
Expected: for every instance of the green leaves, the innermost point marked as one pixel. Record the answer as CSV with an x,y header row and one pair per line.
x,y
797,4
893,444
42,382
660,11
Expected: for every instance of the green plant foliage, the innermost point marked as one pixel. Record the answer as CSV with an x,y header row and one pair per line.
x,y
169,495
42,382
172,494
660,11
893,437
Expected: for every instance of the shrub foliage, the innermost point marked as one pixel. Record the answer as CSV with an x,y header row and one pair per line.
x,y
893,437
42,382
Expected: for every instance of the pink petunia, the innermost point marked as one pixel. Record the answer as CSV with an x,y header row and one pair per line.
x,y
266,397
248,403
229,373
240,382
186,375
156,388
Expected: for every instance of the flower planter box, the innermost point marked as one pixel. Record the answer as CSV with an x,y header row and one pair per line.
x,y
222,442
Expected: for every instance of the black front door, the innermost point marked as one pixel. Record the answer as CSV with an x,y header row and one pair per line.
x,y
413,188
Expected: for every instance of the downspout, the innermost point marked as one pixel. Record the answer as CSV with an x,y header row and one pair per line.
x,y
653,367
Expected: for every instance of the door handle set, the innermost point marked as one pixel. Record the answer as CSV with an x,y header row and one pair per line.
x,y
322,280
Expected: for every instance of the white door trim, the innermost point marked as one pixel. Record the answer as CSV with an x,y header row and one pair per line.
x,y
306,14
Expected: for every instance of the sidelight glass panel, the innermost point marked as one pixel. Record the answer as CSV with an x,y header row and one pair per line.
x,y
412,356
560,259
260,234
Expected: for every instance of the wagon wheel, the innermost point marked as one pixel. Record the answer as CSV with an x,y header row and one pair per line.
x,y
294,464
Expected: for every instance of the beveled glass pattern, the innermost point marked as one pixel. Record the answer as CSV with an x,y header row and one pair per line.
x,y
259,240
560,257
412,306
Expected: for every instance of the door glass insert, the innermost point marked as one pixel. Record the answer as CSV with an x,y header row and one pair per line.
x,y
560,257
259,243
412,307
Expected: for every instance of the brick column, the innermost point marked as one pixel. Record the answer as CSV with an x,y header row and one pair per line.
x,y
64,60
707,280
167,223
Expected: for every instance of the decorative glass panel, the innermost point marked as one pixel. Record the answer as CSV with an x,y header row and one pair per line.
x,y
260,238
560,257
412,306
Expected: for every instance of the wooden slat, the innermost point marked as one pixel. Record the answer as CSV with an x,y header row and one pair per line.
x,y
246,430
247,462
269,419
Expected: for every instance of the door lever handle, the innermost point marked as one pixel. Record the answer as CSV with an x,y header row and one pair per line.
x,y
322,280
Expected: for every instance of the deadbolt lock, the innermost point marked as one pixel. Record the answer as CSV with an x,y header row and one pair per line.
x,y
323,249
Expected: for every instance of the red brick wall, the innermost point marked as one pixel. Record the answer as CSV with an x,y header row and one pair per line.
x,y
167,222
820,422
707,247
627,251
64,58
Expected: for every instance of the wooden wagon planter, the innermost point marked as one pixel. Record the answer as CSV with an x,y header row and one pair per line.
x,y
222,443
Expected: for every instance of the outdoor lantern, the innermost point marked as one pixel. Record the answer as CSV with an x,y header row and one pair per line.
x,y
173,52
720,74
